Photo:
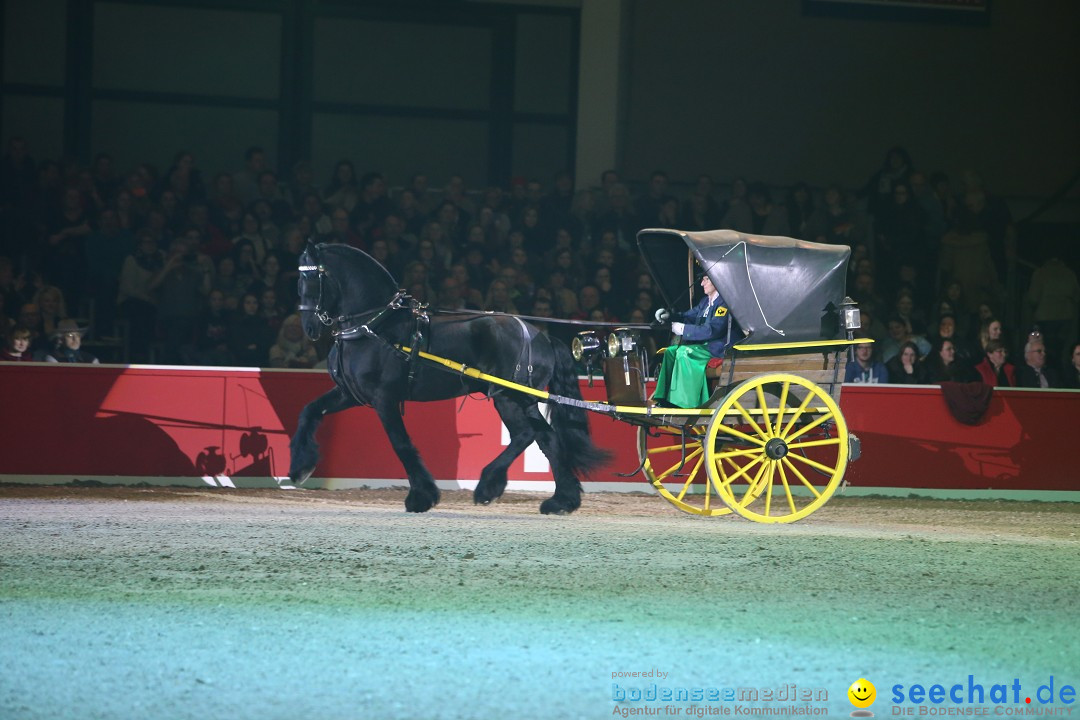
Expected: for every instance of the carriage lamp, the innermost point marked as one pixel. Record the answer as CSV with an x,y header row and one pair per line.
x,y
852,321
585,346
621,342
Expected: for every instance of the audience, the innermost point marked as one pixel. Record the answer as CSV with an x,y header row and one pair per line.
x,y
207,274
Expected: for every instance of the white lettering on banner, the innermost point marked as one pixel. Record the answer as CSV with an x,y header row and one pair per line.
x,y
535,460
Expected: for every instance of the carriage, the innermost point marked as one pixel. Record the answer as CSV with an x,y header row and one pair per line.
x,y
770,445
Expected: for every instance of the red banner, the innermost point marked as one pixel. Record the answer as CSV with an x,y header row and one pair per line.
x,y
65,422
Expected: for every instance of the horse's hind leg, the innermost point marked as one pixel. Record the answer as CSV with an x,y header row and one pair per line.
x,y
423,493
567,497
303,448
513,412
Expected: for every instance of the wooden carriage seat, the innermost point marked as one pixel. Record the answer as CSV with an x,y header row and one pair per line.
x,y
817,367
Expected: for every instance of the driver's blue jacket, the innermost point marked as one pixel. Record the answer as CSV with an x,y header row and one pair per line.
x,y
706,323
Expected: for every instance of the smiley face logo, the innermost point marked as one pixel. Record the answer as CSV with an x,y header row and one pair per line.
x,y
862,693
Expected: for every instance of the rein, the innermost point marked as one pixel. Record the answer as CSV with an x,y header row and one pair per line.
x,y
555,321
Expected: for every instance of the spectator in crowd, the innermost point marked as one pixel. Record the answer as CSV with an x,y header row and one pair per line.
x,y
106,250
410,212
67,344
697,215
250,336
1035,372
302,184
226,208
906,310
343,190
229,284
136,296
212,332
895,169
371,207
995,369
758,216
17,345
865,368
252,233
63,253
835,221
966,258
990,329
619,218
269,192
800,210
648,206
50,301
946,330
1071,376
292,349
900,333
907,367
1054,301
12,288
941,365
341,230
181,285
246,180
498,298
987,216
30,317
6,322
899,230
472,297
269,308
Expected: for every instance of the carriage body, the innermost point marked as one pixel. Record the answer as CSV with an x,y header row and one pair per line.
x,y
771,443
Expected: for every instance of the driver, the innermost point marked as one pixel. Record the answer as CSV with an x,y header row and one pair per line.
x,y
704,331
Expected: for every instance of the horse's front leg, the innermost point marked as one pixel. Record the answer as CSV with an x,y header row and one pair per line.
x,y
303,448
423,493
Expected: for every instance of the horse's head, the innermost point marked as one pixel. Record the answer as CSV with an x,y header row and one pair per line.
x,y
318,296
337,283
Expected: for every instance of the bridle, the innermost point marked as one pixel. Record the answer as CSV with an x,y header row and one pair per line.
x,y
347,327
320,314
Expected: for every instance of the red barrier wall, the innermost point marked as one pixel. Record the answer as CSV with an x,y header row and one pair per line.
x,y
113,422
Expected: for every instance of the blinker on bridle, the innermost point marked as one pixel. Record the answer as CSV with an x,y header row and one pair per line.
x,y
322,315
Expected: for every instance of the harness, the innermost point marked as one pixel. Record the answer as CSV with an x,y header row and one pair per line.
x,y
366,324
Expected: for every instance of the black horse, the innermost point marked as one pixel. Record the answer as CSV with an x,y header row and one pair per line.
x,y
344,287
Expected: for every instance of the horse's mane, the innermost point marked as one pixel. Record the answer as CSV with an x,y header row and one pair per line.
x,y
358,264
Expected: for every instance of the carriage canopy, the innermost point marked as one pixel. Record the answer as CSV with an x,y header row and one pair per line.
x,y
779,289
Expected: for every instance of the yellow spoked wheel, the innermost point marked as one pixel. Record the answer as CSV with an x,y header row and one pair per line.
x,y
679,474
776,449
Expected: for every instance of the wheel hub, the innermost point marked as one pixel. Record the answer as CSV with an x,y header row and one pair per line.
x,y
776,449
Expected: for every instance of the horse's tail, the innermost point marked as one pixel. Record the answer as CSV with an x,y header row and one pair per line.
x,y
571,423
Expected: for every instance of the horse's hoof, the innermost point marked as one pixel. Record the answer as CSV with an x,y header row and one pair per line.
x,y
483,497
418,502
299,478
551,506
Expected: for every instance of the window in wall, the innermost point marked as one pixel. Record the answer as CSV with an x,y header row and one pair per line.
x,y
542,67
38,120
187,50
35,36
401,64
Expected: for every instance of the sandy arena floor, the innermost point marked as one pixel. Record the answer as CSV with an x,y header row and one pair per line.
x,y
184,603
